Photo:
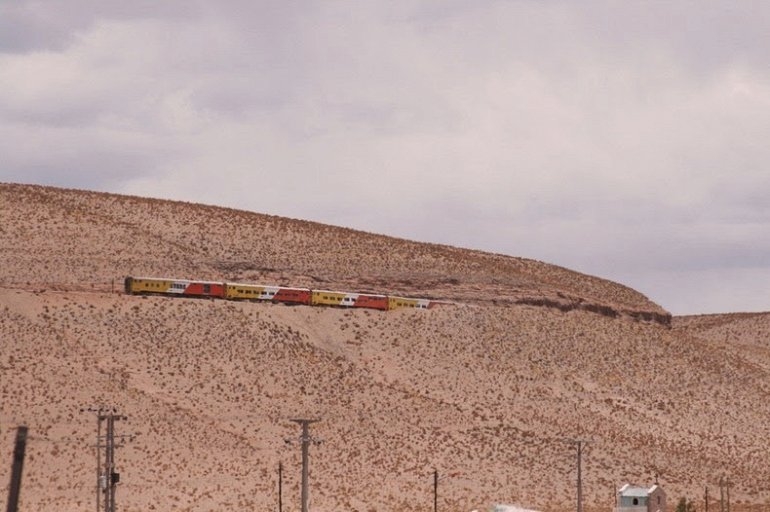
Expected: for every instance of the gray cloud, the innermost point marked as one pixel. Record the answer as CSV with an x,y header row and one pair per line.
x,y
49,25
623,140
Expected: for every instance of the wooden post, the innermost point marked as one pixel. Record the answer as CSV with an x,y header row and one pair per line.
x,y
16,468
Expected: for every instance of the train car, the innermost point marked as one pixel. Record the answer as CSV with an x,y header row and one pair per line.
x,y
405,302
183,287
330,298
371,301
239,291
349,300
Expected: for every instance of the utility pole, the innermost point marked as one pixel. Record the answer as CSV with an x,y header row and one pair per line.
x,y
707,499
436,480
721,494
16,468
107,477
280,487
305,439
580,444
435,490
99,419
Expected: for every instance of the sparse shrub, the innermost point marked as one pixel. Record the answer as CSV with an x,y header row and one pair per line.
x,y
685,505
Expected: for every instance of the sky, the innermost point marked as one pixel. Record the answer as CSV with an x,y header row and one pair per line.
x,y
622,139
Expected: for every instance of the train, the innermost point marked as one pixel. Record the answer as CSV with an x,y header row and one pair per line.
x,y
268,293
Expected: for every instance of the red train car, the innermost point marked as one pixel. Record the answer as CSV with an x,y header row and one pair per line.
x,y
292,295
365,300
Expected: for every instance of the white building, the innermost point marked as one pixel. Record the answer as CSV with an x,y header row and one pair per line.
x,y
640,499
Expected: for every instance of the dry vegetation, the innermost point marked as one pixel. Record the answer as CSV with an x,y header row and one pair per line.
x,y
487,390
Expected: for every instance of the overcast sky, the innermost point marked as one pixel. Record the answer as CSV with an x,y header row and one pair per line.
x,y
628,140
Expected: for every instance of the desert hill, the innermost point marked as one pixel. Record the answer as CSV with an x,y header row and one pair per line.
x,y
489,391
92,240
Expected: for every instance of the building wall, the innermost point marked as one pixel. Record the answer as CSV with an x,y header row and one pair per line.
x,y
657,500
638,508
628,502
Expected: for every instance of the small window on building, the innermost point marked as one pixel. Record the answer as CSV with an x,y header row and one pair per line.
x,y
636,501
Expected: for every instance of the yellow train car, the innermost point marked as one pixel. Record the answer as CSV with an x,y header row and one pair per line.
x,y
154,285
330,298
405,302
238,291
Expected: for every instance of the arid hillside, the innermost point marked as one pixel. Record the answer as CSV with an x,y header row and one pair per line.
x,y
491,391
91,241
